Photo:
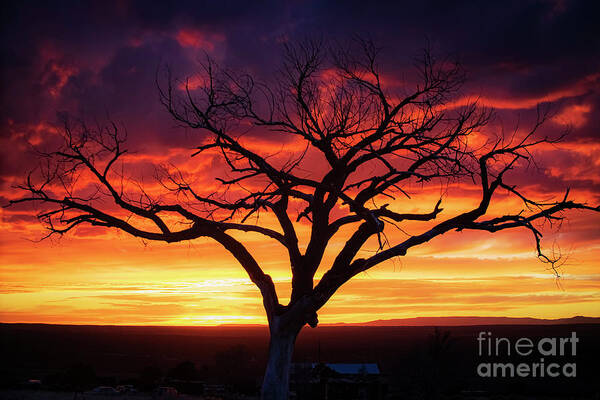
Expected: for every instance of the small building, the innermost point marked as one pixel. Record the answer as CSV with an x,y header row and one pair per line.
x,y
337,381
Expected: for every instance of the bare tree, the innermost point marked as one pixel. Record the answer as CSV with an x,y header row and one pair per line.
x,y
374,143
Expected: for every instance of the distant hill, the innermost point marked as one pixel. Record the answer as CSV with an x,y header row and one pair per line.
x,y
472,321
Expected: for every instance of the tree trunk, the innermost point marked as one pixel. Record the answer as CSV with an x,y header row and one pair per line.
x,y
276,383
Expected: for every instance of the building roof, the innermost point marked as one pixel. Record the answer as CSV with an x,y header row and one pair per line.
x,y
340,368
354,369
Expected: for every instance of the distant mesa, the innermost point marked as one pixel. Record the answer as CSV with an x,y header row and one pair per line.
x,y
472,321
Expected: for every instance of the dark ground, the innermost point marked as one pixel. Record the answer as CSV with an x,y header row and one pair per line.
x,y
416,362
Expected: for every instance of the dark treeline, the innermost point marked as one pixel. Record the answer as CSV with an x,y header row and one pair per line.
x,y
414,361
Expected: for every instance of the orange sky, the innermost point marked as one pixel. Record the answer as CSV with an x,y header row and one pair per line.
x,y
98,276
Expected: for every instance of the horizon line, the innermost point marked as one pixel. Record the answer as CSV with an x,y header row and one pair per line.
x,y
372,323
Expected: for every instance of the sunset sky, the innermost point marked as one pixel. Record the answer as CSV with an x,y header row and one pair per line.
x,y
100,59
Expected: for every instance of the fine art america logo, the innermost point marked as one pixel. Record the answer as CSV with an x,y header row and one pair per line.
x,y
546,354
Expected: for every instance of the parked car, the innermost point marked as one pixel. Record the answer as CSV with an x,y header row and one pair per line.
x,y
104,391
165,392
126,389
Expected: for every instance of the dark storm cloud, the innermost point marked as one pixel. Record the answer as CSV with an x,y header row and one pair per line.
x,y
547,43
95,57
126,88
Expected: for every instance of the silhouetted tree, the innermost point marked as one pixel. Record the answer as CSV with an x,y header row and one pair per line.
x,y
439,342
79,378
436,379
234,367
373,142
150,377
185,371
